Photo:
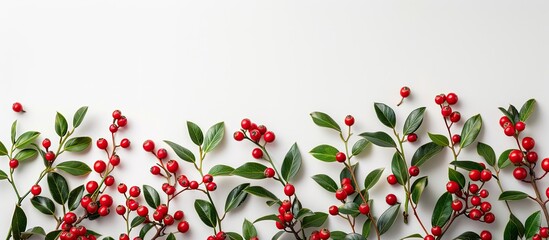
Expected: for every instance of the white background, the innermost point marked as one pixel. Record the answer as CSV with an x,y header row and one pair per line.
x,y
165,62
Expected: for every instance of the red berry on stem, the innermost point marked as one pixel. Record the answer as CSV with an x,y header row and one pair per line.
x,y
446,111
211,186
545,164
340,157
269,136
116,114
475,214
485,235
509,131
14,163
436,231
262,129
340,194
183,226
451,98
289,189
405,92
429,237
172,166
364,208
91,186
246,123
516,156
17,107
109,181
99,166
178,215
36,190
349,120
120,210
70,218
474,175
485,175
391,179
391,199
148,145
544,232
457,205
473,188
520,126
412,137
238,136
413,170
122,122
475,200
125,143
269,172
122,188
536,237
257,153
102,143
193,184
46,143
255,135
114,160
333,210
105,200
135,191
440,99
452,187
528,143
113,128
207,178
456,138
455,117
483,193
503,121
532,157
348,188
161,153
49,156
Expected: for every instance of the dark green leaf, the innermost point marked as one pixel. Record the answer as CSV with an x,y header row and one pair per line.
x,y
443,210
399,168
59,188
532,224
387,219
236,197
508,114
53,235
366,227
291,164
515,113
214,135
195,133
503,160
325,182
43,204
151,196
296,205
234,236
3,150
324,120
261,192
467,165
181,152
354,236
304,212
33,231
381,139
18,223
206,212
248,229
25,154
425,152
137,221
26,138
512,195
77,144
221,170
75,168
439,139
470,130
416,235
171,236
90,232
13,131
270,217
108,238
74,198
417,188
510,232
251,170
527,109
337,235
145,229
3,175
468,236
456,176
345,173
278,235
487,152
324,153
413,121
372,178
315,220
359,146
385,114
350,208
79,116
61,125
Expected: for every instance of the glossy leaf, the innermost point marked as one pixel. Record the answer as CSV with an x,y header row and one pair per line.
x,y
3,150
251,170
3,175
350,208
385,114
248,229
236,197
234,236
221,170
381,139
418,187
304,212
456,176
195,133
33,232
503,160
291,163
75,168
26,154
366,227
13,131
372,178
261,192
413,121
278,235
53,235
532,224
325,182
137,220
206,212
416,235
78,144
181,152
25,139
151,196
43,204
527,109
354,236
144,230
61,125
510,115
467,165
470,130
315,220
59,188
439,139
468,236
359,146
18,223
324,120
74,198
214,135
512,195
337,235
79,116
108,238
387,219
514,229
270,217
171,236
425,152
515,113
324,153
487,152
399,168
443,210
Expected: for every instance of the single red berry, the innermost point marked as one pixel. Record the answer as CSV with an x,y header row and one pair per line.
x,y
486,206
257,153
475,200
340,194
109,181
46,143
545,164
504,121
155,170
122,188
116,114
536,237
122,122
36,190
440,99
446,111
172,166
485,175
324,234
436,231
269,136
288,216
125,143
255,135
391,179
340,157
473,188
405,92
528,143
120,210
348,188
193,184
183,181
105,200
132,204
262,129
286,204
451,98
238,136
183,226
269,172
70,218
102,143
547,192
99,166
148,145
516,156
246,123
455,117
124,236
483,193
349,120
211,186
114,160
452,187
413,170
456,138
345,181
207,178
474,175
364,208
457,205
532,157
485,235
429,237
520,126
544,232
475,214
163,209
509,131
161,153
168,219
49,156
135,191
220,235
489,217
279,225
103,211
289,189
412,137
17,107
14,163
333,210
113,128
91,186
391,199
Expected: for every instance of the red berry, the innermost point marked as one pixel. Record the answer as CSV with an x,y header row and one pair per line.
x,y
279,225
238,136
446,111
255,135
163,209
473,188
114,160
132,204
485,175
50,156
547,192
286,205
456,138
412,137
413,170
116,114
504,121
348,188
125,143
207,178
340,157
135,191
474,175
509,131
532,157
452,187
544,232
183,181
178,215
536,237
485,235
269,136
46,143
172,166
436,231
440,99
457,205
211,186
105,200
109,181
168,220
429,237
364,208
345,181
122,188
113,128
520,126
14,163
91,186
103,211
451,98
257,153
475,214
324,234
486,206
455,117
124,236
528,143
391,179
333,210
246,123
148,145
340,194
99,166
288,216
475,200
183,226
349,120
483,193
262,129
155,170
36,190
17,107
120,210
405,92
269,172
289,189
161,153
102,143
545,164
516,156
193,184
391,199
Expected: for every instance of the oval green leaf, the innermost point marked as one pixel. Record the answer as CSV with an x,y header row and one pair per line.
x,y
3,150
387,219
381,139
26,154
417,188
18,223
527,109
61,125
145,229
291,163
468,236
512,195
251,170
467,165
3,175
195,133
181,152
354,236
325,182
359,146
236,197
439,139
470,130
59,188
487,152
261,192
214,135
77,144
25,139
503,160
44,205
324,153
372,178
399,168
316,220
136,221
385,114
206,212
248,229
79,116
74,198
221,170
456,176
350,208
151,196
413,121
532,224
443,210
324,120
75,168
425,152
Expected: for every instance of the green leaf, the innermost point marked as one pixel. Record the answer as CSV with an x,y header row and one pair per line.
x,y
278,235
171,236
387,219
13,131
195,133
359,146
527,109
456,176
515,113
514,228
417,188
213,137
151,196
78,144
137,221
470,130
399,168
145,229
261,192
79,116
291,164
25,139
425,152
345,173
59,188
315,220
3,150
75,168
3,175
181,152
372,178
324,153
33,231
325,182
468,236
508,114
443,210
234,236
337,235
512,195
324,120
439,139
304,212
248,229
366,227
74,198
381,139
221,170
270,217
43,204
251,170
350,208
532,224
61,125
467,165
416,235
385,114
236,197
206,212
503,160
25,154
413,121
354,236
487,152
108,238
53,235
18,223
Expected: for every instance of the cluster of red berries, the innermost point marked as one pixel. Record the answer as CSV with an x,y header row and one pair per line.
x,y
119,121
220,236
345,190
511,129
70,232
255,133
320,234
285,215
445,102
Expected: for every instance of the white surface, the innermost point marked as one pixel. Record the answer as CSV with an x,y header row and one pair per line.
x,y
163,63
